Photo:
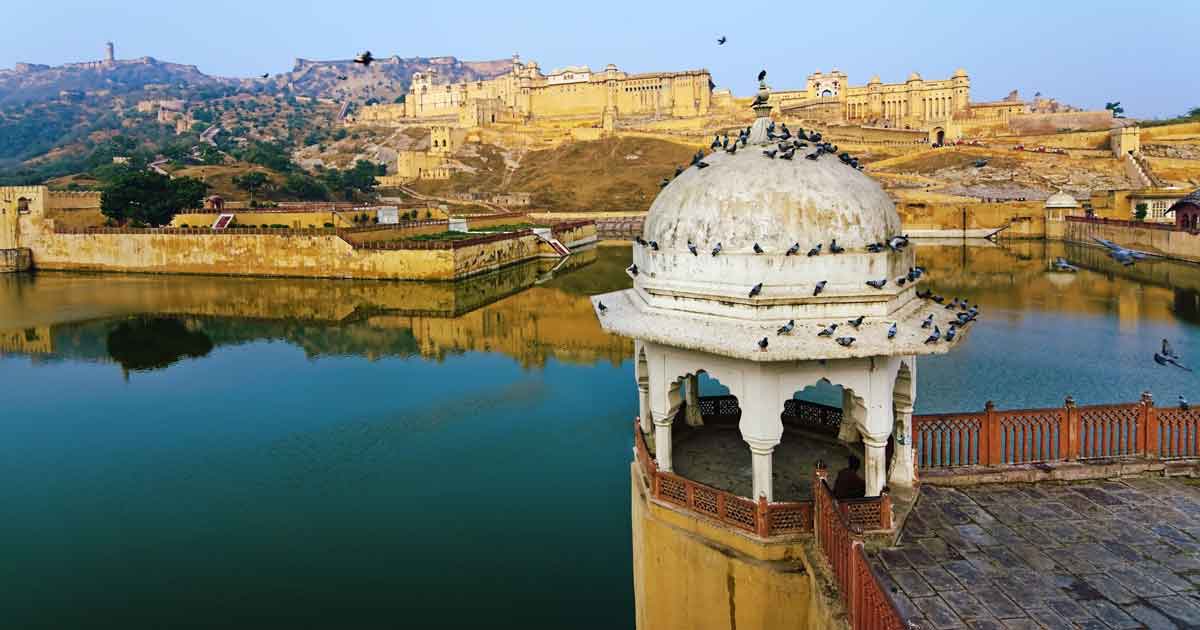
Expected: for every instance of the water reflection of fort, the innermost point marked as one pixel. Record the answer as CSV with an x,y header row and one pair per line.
x,y
526,312
529,312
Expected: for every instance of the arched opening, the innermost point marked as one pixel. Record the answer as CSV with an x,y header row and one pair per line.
x,y
826,93
23,205
939,136
706,445
820,424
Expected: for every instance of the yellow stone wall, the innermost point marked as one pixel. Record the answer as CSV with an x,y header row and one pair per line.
x,y
295,220
690,574
299,255
1028,219
915,104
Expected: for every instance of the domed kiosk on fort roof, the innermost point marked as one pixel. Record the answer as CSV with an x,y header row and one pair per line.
x,y
693,310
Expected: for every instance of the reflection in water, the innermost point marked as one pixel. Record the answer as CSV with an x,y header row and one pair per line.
x,y
394,450
149,343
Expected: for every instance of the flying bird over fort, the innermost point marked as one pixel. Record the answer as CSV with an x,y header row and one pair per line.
x,y
721,40
365,58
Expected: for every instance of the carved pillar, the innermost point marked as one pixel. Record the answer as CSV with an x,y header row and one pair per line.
x,y
902,472
762,464
875,473
662,443
694,419
644,405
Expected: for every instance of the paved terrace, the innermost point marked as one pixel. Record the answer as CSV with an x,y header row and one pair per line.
x,y
1090,555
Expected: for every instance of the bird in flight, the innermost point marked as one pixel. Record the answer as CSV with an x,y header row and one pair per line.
x,y
365,58
265,75
721,40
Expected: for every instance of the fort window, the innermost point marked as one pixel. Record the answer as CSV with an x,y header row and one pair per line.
x,y
22,206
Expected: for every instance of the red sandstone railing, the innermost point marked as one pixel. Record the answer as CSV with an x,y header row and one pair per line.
x,y
1068,433
756,517
841,543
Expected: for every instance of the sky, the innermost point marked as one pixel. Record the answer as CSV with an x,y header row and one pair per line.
x,y
1145,55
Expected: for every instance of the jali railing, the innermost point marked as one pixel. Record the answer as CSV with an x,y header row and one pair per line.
x,y
757,517
841,543
1068,433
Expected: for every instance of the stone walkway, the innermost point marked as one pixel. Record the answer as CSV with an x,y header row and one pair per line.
x,y
1092,555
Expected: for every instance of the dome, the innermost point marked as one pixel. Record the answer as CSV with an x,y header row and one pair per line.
x,y
874,80
1061,199
720,296
746,198
914,77
960,73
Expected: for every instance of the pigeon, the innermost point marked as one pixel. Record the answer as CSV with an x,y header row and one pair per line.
x,y
965,318
762,75
877,284
771,126
699,156
925,295
892,331
770,153
1061,264
912,276
819,288
815,154
950,333
632,269
827,331
721,40
898,243
815,251
664,182
757,249
716,250
716,142
937,298
731,149
834,248
692,248
265,75
856,322
798,144
1161,360
756,289
786,328
725,142
639,240
928,321
762,344
701,164
844,341
934,336
788,155
874,248
793,250
1183,403
341,77
901,281
678,171
654,245
601,307
1167,350
365,58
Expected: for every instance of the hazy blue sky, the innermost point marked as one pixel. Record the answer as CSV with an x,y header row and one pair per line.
x,y
1145,54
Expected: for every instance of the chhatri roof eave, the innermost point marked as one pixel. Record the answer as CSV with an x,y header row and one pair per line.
x,y
627,314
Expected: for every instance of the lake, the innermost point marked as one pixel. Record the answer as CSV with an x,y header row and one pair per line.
x,y
269,453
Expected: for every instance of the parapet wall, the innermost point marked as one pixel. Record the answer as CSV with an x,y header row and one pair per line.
x,y
1053,122
271,253
1159,238
1025,219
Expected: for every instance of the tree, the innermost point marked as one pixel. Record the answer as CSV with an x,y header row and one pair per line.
x,y
305,187
1115,108
251,182
142,197
1140,211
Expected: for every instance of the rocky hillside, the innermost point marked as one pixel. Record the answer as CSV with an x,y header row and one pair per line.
x,y
383,81
30,83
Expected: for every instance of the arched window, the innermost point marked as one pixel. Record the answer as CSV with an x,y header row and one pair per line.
x,y
23,206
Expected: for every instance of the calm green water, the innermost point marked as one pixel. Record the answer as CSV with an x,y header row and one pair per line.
x,y
186,451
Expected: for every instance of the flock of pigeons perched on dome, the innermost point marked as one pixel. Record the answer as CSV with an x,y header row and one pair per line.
x,y
784,149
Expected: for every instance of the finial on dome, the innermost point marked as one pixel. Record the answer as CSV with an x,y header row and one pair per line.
x,y
760,105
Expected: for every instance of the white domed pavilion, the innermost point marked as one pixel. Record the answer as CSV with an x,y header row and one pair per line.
x,y
696,312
